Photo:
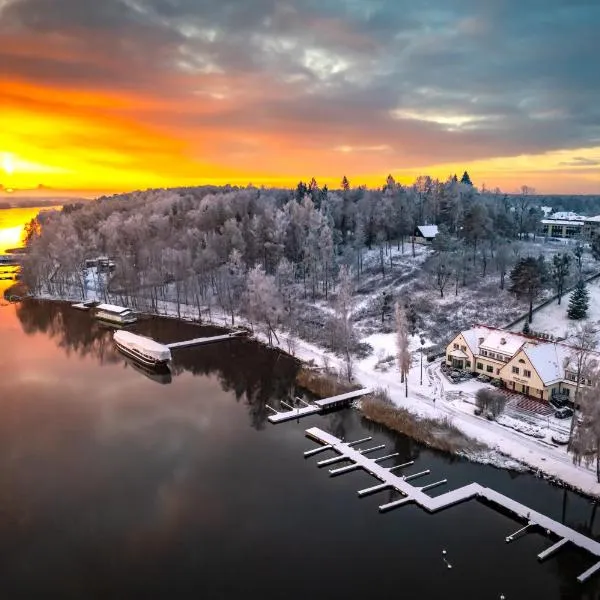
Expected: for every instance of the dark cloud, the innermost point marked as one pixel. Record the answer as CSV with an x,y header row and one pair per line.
x,y
467,79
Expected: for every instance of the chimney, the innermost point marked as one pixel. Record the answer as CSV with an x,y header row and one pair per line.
x,y
503,341
480,341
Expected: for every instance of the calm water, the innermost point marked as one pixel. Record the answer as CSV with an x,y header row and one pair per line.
x,y
116,485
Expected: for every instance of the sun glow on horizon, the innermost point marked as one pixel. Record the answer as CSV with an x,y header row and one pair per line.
x,y
8,163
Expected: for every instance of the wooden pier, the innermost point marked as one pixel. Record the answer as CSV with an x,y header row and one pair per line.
x,y
317,407
416,494
205,340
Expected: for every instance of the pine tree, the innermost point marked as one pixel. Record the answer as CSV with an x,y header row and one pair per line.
x,y
466,179
526,328
579,302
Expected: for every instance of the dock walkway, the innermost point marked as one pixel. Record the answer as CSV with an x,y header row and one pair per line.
x,y
473,490
317,407
204,340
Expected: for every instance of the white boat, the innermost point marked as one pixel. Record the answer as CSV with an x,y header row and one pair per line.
x,y
142,349
84,305
115,314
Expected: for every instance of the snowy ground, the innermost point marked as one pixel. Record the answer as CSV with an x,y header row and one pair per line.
x,y
430,394
553,318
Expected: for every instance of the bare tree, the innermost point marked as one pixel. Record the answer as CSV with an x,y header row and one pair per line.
x,y
263,302
585,442
404,357
343,308
442,271
584,343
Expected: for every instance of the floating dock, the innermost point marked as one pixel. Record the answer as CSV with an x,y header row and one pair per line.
x,y
205,340
416,494
317,407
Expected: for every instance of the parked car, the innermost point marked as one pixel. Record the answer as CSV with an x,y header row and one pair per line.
x,y
563,413
559,401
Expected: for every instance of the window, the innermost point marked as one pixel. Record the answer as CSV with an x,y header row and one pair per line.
x,y
526,373
497,371
484,353
456,346
515,370
571,376
480,366
489,369
449,358
521,361
467,364
463,348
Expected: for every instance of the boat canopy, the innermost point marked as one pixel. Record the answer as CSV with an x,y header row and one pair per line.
x,y
143,344
117,310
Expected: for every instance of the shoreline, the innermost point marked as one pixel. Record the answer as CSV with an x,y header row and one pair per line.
x,y
309,356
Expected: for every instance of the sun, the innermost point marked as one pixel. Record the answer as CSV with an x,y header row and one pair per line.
x,y
8,163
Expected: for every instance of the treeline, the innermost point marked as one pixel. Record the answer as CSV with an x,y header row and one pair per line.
x,y
258,250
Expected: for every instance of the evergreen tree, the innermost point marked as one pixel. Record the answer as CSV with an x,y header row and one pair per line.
x,y
526,328
527,280
466,179
579,302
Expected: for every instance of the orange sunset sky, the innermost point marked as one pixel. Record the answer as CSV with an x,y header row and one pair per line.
x,y
127,94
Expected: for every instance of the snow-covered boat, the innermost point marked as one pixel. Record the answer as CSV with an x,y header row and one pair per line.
x,y
85,305
142,349
115,314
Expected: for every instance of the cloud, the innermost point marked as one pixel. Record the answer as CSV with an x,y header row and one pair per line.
x,y
453,80
580,161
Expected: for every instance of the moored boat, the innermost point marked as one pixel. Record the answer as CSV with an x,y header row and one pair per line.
x,y
115,314
142,349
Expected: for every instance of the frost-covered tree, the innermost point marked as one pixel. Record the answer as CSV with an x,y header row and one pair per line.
x,y
262,302
402,345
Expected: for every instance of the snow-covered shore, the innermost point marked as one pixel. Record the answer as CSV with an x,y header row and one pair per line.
x,y
429,396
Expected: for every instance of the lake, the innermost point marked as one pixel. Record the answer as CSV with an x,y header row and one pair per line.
x,y
117,484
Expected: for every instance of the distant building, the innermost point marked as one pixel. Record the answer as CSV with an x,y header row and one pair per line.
x,y
425,233
525,365
562,228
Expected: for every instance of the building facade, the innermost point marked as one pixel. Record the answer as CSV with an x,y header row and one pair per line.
x,y
535,368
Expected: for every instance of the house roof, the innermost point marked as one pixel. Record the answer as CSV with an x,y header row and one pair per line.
x,y
548,360
503,341
428,231
566,216
458,353
472,337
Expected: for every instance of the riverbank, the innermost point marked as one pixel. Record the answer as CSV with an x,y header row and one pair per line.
x,y
501,447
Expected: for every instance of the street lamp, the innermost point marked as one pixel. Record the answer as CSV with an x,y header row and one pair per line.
x,y
422,342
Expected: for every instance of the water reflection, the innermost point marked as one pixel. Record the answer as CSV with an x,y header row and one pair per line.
x,y
253,373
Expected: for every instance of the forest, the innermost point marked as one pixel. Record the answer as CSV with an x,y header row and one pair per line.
x,y
327,265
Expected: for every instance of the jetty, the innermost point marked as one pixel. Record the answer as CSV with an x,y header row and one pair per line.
x,y
316,407
205,340
415,494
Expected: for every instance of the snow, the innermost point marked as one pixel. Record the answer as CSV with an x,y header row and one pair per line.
x,y
548,359
472,337
553,318
566,216
113,308
428,231
569,223
138,342
501,341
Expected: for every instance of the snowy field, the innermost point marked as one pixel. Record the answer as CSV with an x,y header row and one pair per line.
x,y
553,318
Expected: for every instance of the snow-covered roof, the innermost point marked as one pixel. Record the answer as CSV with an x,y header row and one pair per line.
x,y
472,337
570,223
458,353
112,308
502,341
566,216
428,231
593,219
548,360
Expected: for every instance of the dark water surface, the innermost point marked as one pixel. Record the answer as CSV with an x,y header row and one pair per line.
x,y
117,485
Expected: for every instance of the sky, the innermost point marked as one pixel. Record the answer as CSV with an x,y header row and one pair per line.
x,y
115,95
